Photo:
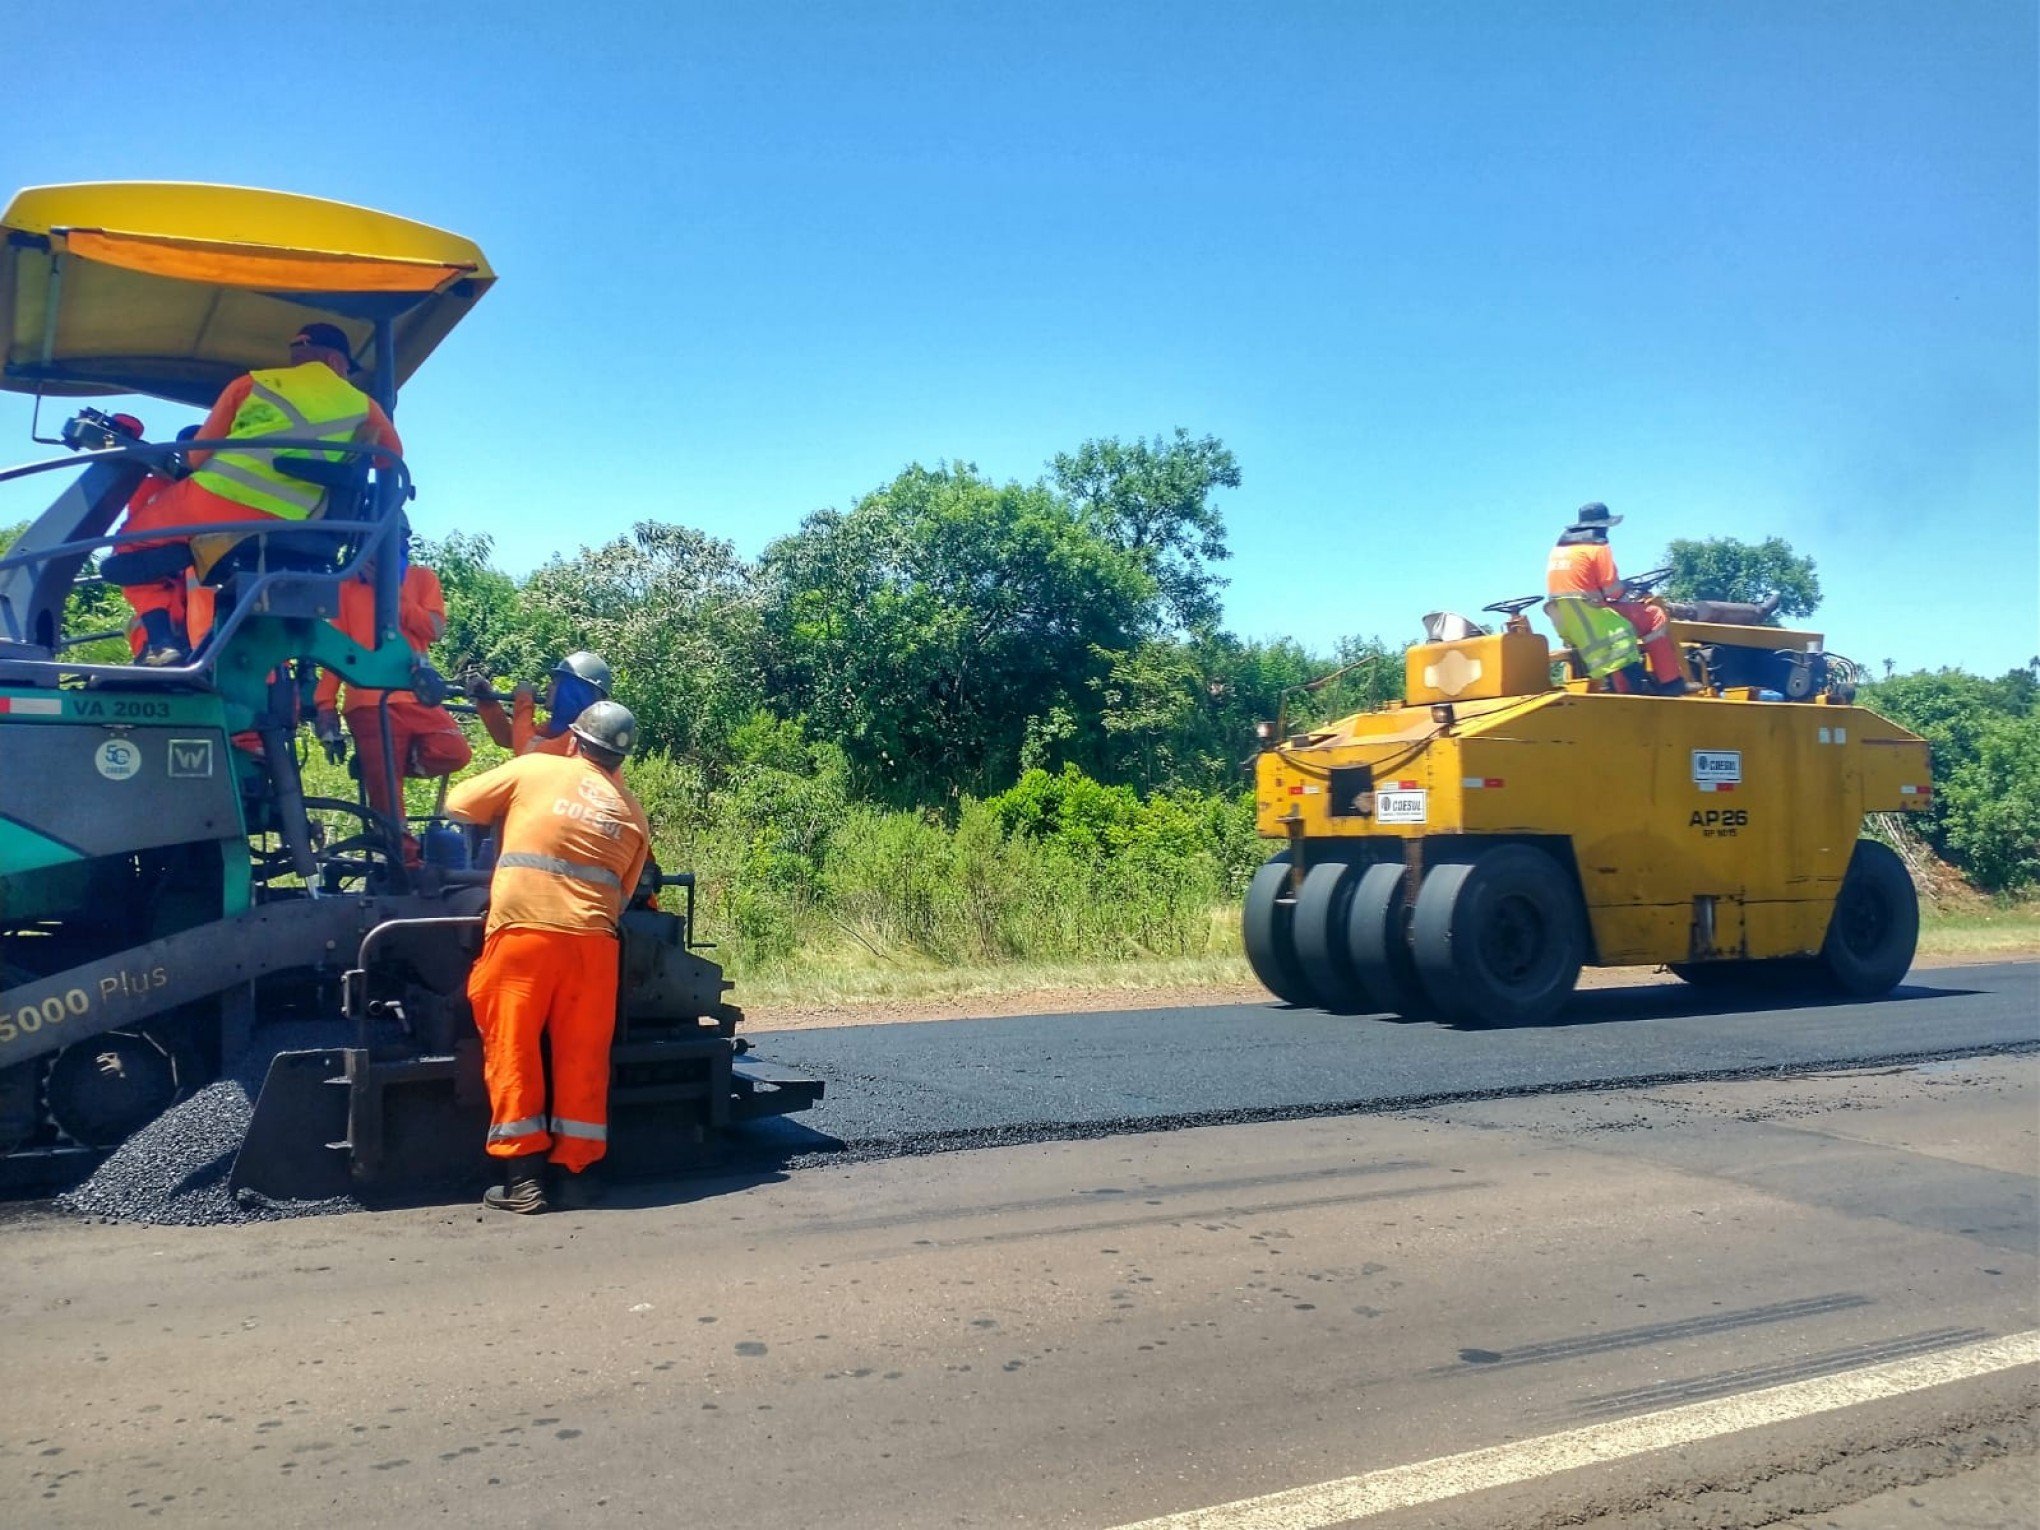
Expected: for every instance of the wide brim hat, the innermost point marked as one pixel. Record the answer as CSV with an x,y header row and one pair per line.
x,y
1594,517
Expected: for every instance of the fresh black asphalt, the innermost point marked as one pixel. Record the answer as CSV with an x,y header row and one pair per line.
x,y
897,1089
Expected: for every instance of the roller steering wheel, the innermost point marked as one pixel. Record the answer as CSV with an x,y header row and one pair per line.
x,y
1513,607
1647,583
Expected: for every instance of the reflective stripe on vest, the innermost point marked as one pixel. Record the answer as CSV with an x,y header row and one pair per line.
x,y
510,1131
580,871
587,1131
1602,640
309,400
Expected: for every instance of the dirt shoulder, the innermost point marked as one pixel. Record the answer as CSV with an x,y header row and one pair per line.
x,y
765,1018
1053,1001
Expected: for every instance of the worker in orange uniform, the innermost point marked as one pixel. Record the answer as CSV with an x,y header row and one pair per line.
x,y
578,681
571,845
1582,564
426,741
311,397
160,631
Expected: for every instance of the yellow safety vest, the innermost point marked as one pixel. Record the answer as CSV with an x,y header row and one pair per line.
x,y
1602,639
307,400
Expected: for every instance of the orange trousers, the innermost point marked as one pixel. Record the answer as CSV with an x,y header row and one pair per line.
x,y
157,512
531,983
189,604
428,744
1653,632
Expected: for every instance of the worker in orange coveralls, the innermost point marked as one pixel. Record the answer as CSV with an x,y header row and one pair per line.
x,y
161,631
578,681
1583,564
571,847
426,740
311,397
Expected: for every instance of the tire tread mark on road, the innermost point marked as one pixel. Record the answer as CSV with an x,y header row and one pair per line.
x,y
1165,1218
1751,1378
1653,1333
1148,1191
1025,1133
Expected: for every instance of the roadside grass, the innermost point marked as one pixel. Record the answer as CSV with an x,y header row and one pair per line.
x,y
1984,928
855,971
826,986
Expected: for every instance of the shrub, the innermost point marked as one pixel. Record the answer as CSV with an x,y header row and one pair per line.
x,y
1985,741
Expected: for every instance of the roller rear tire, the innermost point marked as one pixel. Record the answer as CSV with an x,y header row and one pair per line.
x,y
1267,930
1377,939
1319,930
1875,927
1499,940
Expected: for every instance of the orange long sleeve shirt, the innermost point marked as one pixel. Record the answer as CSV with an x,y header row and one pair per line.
x,y
517,730
572,845
1583,568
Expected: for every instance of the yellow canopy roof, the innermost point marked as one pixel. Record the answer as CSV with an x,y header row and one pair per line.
x,y
174,289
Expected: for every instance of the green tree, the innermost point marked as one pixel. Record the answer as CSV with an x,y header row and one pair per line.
x,y
1365,672
677,615
1984,735
1246,682
1179,713
1722,568
1152,499
942,622
1148,697
1990,806
487,626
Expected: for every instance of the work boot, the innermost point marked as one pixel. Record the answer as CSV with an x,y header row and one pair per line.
x,y
577,1192
162,645
523,1187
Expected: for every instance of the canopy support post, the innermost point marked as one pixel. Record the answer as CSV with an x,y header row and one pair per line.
x,y
53,293
385,384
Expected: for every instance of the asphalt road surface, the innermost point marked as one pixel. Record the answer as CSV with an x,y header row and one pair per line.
x,y
914,1088
1667,1265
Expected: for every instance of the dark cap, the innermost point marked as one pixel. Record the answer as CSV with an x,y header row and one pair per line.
x,y
1594,517
329,337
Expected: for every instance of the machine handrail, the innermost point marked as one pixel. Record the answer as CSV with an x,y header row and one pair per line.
x,y
374,938
393,488
145,451
250,529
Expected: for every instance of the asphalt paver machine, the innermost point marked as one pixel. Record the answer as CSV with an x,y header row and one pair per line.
x,y
1461,854
168,895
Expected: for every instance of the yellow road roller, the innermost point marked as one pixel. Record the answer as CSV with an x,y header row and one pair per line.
x,y
1531,808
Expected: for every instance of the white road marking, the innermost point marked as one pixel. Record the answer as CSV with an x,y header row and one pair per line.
x,y
1402,1487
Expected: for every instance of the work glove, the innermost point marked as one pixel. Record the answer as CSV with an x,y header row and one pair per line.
x,y
326,729
477,685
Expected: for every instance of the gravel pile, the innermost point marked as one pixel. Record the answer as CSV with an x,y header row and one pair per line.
x,y
173,1172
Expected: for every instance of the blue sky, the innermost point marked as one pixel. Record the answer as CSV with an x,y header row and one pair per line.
x,y
1437,273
